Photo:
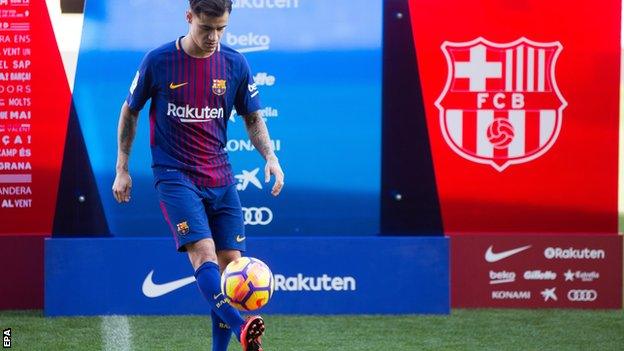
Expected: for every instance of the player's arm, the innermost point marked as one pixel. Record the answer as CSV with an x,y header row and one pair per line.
x,y
126,130
259,136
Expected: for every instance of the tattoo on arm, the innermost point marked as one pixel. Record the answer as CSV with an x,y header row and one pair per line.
x,y
125,136
259,134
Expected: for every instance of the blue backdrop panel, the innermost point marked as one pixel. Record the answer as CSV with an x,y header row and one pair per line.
x,y
355,275
317,64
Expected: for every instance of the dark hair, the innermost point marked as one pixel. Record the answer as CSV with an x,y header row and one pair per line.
x,y
212,8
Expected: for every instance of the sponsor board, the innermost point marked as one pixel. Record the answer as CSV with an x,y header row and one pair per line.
x,y
536,271
248,42
318,275
265,4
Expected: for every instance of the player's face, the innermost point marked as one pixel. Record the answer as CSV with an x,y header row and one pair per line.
x,y
207,31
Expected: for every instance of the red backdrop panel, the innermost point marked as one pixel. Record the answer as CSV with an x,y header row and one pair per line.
x,y
21,259
536,271
34,105
566,177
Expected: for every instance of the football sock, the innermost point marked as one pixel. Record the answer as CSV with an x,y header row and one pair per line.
x,y
221,333
209,281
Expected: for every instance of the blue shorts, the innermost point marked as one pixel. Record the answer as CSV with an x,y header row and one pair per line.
x,y
194,212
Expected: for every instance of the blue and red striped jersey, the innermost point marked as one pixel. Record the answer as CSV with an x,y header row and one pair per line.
x,y
192,99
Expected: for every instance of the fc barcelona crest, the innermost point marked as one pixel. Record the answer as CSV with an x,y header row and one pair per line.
x,y
501,104
218,86
183,228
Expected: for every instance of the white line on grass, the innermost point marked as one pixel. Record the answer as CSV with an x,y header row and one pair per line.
x,y
116,333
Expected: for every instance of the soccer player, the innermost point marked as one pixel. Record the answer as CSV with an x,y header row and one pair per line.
x,y
194,82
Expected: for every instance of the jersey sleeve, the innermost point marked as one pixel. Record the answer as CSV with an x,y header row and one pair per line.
x,y
247,99
141,87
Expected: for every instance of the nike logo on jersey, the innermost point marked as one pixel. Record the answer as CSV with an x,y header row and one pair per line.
x,y
176,86
151,289
240,239
491,256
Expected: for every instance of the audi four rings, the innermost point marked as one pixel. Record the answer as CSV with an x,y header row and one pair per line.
x,y
257,215
582,295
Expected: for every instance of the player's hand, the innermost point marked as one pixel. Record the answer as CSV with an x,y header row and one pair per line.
x,y
273,167
122,187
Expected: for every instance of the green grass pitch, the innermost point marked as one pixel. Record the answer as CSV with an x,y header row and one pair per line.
x,y
463,330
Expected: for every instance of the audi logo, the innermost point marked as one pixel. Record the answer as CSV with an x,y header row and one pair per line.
x,y
257,215
582,295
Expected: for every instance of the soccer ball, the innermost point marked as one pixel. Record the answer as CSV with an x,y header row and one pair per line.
x,y
247,283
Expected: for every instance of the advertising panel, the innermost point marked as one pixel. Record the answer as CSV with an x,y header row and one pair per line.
x,y
321,97
536,271
315,275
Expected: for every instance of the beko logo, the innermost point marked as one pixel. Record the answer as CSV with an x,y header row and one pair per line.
x,y
265,4
582,295
249,42
502,277
322,283
573,254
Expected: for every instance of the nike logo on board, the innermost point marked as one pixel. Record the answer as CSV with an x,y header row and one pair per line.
x,y
151,289
491,256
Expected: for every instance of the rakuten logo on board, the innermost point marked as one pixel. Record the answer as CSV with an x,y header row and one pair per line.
x,y
322,283
574,254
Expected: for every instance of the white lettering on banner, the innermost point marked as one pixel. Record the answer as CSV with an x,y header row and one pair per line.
x,y
8,152
19,115
582,276
15,190
574,254
15,89
15,76
20,102
540,275
263,78
190,114
246,145
15,166
249,42
511,295
502,277
17,203
21,64
269,112
322,283
21,38
265,4
11,51
582,295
